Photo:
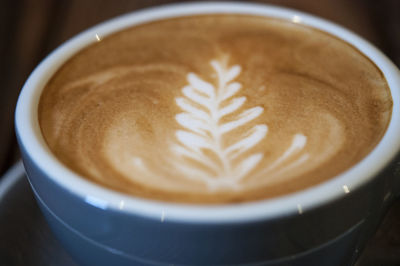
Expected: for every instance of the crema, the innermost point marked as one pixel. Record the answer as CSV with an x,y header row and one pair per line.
x,y
214,109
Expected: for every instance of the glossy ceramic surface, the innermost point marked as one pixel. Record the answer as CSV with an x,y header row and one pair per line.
x,y
321,225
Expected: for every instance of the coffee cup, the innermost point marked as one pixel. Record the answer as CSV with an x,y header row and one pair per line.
x,y
169,215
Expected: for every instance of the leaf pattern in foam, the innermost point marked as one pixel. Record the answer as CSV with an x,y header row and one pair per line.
x,y
204,131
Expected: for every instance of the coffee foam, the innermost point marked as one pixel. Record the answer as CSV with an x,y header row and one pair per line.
x,y
215,109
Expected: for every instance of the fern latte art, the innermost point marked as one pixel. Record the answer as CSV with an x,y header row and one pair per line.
x,y
214,109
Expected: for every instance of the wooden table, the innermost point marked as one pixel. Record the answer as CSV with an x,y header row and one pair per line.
x,y
30,29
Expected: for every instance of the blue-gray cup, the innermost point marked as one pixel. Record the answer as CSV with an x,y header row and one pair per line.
x,y
327,224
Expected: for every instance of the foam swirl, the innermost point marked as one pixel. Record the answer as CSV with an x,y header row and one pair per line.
x,y
229,108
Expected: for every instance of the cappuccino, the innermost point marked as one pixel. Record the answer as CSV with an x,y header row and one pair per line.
x,y
214,109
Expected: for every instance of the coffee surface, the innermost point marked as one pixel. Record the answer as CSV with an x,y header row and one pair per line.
x,y
214,109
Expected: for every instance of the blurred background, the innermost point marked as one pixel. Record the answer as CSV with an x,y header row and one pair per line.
x,y
31,29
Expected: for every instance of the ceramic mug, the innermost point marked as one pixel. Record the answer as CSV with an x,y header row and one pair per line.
x,y
327,224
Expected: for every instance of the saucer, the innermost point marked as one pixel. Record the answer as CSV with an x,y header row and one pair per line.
x,y
26,239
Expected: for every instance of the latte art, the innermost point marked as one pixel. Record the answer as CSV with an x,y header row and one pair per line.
x,y
204,132
214,109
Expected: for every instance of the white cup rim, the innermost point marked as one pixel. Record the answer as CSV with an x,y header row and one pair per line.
x,y
30,137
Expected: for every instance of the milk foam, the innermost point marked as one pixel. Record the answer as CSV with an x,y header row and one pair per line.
x,y
229,108
205,132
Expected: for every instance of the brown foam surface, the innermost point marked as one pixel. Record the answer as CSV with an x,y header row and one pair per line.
x,y
214,109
